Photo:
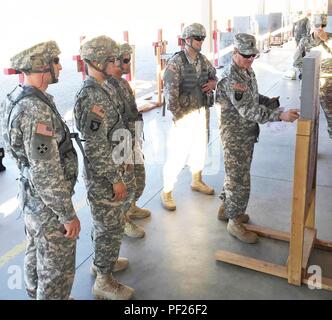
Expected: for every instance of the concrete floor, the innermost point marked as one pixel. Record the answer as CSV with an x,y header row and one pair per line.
x,y
176,258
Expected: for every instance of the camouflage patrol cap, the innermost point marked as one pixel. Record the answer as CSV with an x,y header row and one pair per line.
x,y
99,49
195,29
245,43
125,48
36,58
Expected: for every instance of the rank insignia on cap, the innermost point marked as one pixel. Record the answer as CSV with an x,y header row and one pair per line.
x,y
44,130
99,111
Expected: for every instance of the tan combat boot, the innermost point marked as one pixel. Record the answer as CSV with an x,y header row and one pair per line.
x,y
167,201
133,230
138,213
237,229
120,265
243,218
198,185
107,288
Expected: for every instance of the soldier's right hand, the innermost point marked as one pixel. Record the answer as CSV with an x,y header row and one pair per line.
x,y
73,228
120,191
290,115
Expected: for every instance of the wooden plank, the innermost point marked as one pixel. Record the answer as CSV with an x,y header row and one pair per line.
x,y
268,233
310,219
308,243
304,127
251,263
323,245
326,283
299,202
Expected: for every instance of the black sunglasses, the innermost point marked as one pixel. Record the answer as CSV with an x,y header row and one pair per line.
x,y
56,60
248,56
198,38
126,61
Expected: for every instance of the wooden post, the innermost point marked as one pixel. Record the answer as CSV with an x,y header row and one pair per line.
x,y
160,50
215,44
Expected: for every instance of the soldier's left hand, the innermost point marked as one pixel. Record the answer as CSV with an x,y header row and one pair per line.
x,y
73,228
209,86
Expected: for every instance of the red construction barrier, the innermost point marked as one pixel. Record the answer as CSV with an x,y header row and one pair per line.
x,y
180,42
229,25
79,62
215,37
10,71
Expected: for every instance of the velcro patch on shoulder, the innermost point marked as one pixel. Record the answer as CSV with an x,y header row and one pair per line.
x,y
239,87
99,111
44,130
171,68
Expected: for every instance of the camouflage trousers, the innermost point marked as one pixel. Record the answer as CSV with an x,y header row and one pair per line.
x,y
326,102
138,183
237,161
108,222
49,263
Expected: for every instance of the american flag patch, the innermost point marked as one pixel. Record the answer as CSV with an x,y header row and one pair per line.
x,y
240,87
99,111
44,130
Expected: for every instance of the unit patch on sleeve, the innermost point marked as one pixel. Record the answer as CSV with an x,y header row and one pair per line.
x,y
95,125
238,95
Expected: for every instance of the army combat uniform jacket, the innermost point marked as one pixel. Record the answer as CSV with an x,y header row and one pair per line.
x,y
40,142
97,117
241,105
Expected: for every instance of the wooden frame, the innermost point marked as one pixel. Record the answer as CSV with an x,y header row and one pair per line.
x,y
302,238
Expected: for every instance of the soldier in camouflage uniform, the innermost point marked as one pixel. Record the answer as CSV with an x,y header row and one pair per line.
x,y
189,81
317,38
241,108
134,123
326,91
302,28
98,120
39,140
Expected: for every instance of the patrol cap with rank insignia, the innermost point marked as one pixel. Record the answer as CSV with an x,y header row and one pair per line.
x,y
245,43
